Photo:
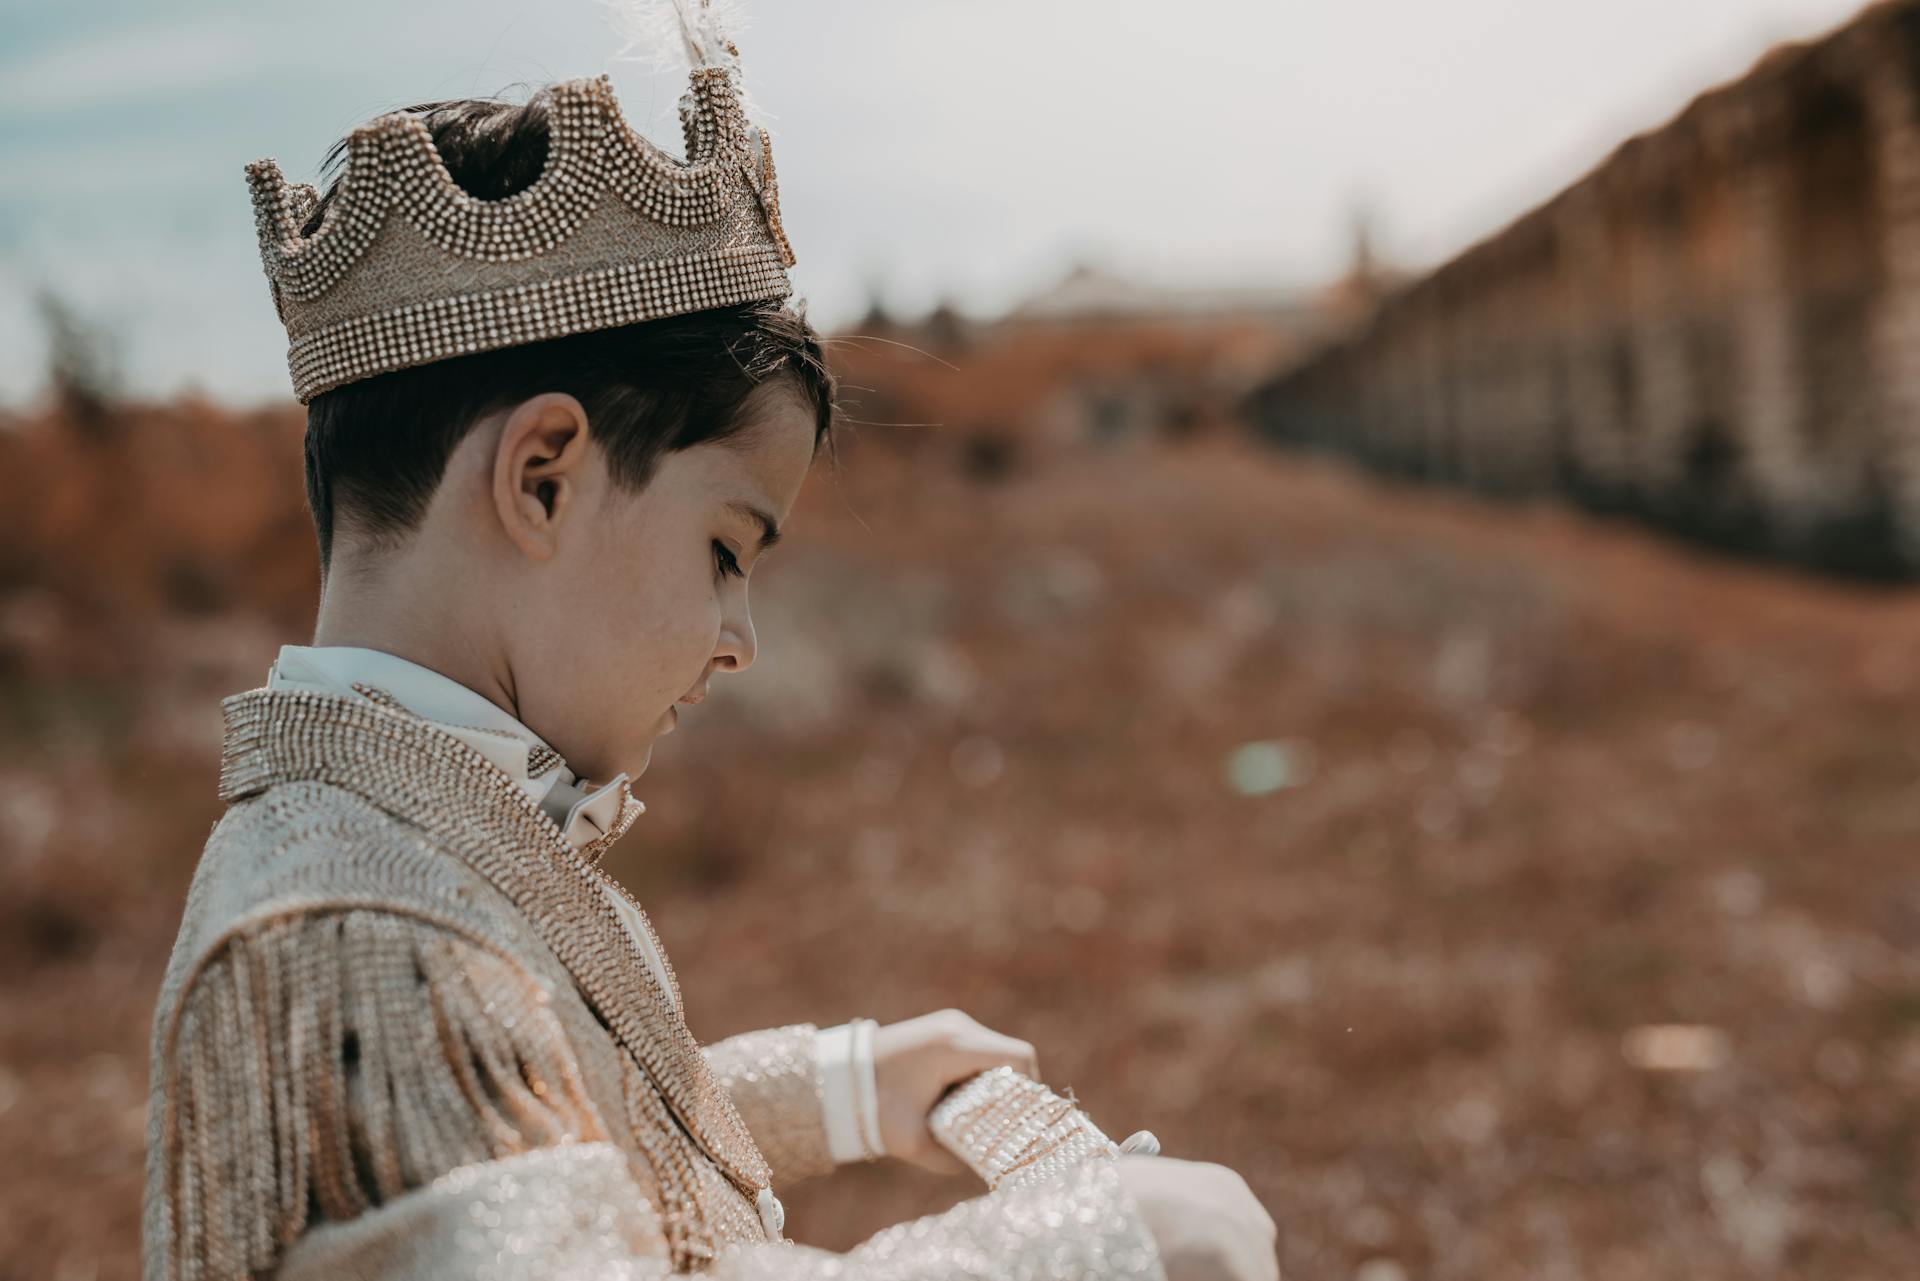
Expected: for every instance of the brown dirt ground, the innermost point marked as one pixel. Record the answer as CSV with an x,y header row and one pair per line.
x,y
1541,780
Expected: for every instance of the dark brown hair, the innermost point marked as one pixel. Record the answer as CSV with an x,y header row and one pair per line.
x,y
376,449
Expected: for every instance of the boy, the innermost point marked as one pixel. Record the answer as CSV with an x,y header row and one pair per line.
x,y
557,414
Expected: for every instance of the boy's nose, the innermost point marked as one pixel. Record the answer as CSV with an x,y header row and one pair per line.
x,y
737,648
747,646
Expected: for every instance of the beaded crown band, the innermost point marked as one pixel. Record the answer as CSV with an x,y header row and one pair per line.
x,y
406,268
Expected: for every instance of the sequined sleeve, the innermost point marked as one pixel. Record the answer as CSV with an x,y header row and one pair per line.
x,y
774,1078
569,1213
1081,1225
574,1214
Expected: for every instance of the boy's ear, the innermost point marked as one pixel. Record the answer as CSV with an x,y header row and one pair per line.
x,y
539,463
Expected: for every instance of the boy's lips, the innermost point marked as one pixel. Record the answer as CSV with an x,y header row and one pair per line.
x,y
673,709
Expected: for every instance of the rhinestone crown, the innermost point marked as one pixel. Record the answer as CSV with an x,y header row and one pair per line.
x,y
406,268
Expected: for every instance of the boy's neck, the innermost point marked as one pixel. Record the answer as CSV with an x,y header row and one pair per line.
x,y
415,617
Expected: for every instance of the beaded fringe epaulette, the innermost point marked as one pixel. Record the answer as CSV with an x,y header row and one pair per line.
x,y
406,268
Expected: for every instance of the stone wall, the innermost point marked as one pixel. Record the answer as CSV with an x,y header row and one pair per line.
x,y
1717,328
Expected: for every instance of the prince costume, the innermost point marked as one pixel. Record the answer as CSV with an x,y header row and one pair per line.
x,y
410,1028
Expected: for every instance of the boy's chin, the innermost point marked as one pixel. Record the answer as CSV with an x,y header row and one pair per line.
x,y
634,755
642,752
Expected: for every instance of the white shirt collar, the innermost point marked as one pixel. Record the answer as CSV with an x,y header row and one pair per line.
x,y
585,812
421,690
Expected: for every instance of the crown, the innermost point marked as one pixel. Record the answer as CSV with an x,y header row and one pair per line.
x,y
406,268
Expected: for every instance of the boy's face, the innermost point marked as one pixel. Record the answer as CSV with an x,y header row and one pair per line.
x,y
644,607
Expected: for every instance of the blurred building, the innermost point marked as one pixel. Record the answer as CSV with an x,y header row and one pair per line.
x,y
1098,358
1717,328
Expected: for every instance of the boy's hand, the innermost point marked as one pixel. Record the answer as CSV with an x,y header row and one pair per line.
x,y
1204,1220
916,1060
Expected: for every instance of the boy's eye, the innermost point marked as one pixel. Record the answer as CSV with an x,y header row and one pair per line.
x,y
725,558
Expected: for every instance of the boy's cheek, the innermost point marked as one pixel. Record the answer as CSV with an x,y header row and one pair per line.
x,y
639,643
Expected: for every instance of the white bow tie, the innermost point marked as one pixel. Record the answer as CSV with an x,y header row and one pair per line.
x,y
591,817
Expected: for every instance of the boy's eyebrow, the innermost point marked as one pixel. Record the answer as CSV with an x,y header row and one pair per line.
x,y
769,527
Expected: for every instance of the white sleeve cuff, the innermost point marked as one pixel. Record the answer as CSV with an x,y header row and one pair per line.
x,y
850,1105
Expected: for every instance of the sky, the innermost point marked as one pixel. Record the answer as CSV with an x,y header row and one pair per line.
x,y
965,151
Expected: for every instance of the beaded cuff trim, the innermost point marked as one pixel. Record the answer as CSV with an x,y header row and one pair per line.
x,y
1011,1130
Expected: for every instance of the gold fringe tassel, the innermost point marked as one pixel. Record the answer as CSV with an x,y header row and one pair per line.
x,y
328,1063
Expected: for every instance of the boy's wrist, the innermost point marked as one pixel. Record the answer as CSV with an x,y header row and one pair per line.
x,y
849,1098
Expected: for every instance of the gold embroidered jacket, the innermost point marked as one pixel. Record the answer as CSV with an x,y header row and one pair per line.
x,y
404,1034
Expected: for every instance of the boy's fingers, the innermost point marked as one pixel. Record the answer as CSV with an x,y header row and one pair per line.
x,y
1018,1055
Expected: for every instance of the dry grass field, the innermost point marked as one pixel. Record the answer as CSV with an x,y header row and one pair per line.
x,y
1508,895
